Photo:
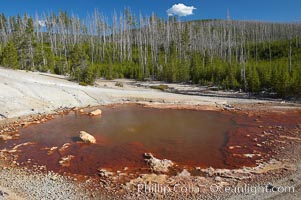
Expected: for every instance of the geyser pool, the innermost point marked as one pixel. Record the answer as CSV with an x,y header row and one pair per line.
x,y
123,134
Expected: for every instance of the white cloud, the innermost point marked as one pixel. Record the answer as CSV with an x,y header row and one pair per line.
x,y
42,23
180,10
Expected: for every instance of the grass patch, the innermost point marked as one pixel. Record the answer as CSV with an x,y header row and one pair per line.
x,y
159,87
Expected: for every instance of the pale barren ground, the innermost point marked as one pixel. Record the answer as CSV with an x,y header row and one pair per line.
x,y
26,93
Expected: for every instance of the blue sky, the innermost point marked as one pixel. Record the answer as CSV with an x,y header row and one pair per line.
x,y
263,10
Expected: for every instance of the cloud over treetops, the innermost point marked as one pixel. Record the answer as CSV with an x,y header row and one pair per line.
x,y
181,10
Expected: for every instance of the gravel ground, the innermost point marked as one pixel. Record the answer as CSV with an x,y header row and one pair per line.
x,y
26,184
291,183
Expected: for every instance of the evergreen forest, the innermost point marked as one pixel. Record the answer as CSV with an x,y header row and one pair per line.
x,y
251,56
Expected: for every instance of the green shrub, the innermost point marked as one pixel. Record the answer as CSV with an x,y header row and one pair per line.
x,y
118,84
83,83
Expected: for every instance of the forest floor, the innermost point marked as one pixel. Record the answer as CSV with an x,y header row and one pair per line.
x,y
27,94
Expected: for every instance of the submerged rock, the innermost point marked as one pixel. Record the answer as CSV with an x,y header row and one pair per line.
x,y
95,112
6,137
64,147
249,155
66,161
23,144
86,137
51,150
156,164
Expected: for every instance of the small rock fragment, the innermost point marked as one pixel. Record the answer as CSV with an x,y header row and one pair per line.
x,y
156,164
184,173
95,112
104,172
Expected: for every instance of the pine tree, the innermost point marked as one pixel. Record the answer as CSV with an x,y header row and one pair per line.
x,y
78,64
194,69
27,46
283,82
253,80
10,56
88,75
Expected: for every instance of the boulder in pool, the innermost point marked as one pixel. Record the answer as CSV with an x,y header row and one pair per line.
x,y
86,137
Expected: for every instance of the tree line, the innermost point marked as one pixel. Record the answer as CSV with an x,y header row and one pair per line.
x,y
247,55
